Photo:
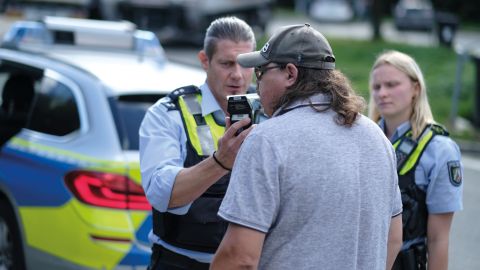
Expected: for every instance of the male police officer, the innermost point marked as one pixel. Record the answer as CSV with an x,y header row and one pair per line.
x,y
184,159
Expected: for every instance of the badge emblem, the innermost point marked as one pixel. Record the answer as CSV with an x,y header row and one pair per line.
x,y
455,173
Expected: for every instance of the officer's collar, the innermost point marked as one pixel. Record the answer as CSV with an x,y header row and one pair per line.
x,y
315,100
209,103
399,132
211,106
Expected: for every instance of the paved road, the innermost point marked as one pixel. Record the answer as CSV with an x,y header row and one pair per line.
x,y
465,235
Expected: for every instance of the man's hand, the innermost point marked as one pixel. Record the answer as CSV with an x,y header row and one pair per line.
x,y
229,143
192,182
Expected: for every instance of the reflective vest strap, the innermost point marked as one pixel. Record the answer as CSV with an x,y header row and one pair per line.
x,y
206,141
210,133
397,142
215,129
193,104
203,132
191,124
425,138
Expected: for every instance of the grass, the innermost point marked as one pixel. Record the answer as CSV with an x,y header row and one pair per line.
x,y
355,58
438,64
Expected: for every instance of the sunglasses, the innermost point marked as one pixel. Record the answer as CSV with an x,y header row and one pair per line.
x,y
260,71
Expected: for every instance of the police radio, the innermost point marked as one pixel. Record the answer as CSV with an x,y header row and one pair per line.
x,y
404,150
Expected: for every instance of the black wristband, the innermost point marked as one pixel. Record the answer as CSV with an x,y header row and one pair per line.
x,y
219,163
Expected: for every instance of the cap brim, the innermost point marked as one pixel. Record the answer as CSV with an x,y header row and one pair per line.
x,y
253,59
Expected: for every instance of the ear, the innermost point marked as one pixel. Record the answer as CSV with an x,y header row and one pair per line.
x,y
292,73
416,90
202,56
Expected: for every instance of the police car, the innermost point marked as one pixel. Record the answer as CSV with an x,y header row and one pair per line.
x,y
74,92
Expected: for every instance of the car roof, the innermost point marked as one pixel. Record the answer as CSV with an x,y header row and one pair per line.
x,y
125,59
119,35
130,73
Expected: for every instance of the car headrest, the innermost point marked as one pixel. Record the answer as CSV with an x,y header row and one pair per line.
x,y
18,93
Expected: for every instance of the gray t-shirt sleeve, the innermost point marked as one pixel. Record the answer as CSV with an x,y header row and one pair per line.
x,y
397,202
253,198
397,205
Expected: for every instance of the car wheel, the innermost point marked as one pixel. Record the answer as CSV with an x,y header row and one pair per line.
x,y
11,254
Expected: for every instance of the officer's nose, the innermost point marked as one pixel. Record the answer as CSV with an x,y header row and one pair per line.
x,y
236,72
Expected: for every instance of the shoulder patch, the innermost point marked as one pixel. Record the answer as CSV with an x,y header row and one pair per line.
x,y
455,172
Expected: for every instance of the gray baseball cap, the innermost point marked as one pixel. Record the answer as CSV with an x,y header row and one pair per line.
x,y
300,45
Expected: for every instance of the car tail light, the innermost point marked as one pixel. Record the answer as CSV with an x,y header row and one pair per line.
x,y
107,190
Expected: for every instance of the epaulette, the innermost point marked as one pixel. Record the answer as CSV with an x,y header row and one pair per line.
x,y
171,102
439,129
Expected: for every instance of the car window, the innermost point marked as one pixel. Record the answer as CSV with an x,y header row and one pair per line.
x,y
17,92
3,79
54,110
129,112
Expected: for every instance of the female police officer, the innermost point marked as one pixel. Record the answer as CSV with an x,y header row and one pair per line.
x,y
428,161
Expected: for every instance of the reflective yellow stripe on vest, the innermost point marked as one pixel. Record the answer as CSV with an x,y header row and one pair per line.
x,y
421,144
203,137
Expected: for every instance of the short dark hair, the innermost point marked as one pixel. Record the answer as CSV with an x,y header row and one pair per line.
x,y
227,28
345,102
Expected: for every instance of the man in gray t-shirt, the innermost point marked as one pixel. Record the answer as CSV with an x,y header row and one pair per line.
x,y
315,186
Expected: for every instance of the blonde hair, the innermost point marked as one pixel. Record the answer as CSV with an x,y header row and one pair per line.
x,y
421,112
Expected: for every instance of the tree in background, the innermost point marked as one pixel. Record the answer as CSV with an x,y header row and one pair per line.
x,y
376,11
467,10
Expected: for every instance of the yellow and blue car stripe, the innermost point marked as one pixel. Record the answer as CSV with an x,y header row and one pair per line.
x,y
77,208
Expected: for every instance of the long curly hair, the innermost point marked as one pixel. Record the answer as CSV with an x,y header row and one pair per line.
x,y
345,102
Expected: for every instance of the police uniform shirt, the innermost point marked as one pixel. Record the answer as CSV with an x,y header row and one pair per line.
x,y
439,172
163,152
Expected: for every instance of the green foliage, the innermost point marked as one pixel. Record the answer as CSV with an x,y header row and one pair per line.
x,y
467,10
438,64
355,58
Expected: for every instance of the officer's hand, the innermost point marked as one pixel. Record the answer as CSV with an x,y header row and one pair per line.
x,y
229,143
